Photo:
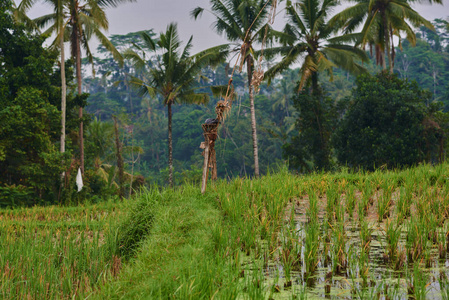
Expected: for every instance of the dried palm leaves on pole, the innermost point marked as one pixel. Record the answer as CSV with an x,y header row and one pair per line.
x,y
210,132
210,127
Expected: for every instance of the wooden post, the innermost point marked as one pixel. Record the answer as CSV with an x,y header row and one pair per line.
x,y
214,162
206,163
210,130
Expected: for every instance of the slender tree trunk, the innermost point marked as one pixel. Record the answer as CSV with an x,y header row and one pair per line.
x,y
249,65
434,75
387,42
63,104
120,165
63,95
316,109
132,162
80,112
315,89
170,147
393,52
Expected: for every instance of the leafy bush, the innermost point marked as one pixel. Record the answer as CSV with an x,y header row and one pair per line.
x,y
12,196
384,124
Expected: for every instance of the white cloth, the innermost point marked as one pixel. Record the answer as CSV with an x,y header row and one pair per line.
x,y
79,180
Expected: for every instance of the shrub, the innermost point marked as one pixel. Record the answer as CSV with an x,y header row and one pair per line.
x,y
384,124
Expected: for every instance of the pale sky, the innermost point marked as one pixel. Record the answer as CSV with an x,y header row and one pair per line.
x,y
157,14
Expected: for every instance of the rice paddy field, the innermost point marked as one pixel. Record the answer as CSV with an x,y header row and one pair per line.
x,y
379,235
57,252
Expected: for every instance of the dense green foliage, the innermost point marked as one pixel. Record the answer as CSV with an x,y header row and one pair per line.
x,y
173,78
312,148
428,61
30,162
278,110
384,124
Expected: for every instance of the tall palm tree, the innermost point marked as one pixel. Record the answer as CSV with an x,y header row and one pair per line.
x,y
381,20
78,20
309,37
20,15
242,22
173,78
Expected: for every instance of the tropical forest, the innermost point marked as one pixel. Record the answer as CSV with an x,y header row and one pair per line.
x,y
306,156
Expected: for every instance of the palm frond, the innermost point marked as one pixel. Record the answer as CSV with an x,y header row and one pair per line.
x,y
113,3
289,59
148,41
350,38
308,68
95,14
186,52
350,18
25,5
221,91
213,56
193,98
406,12
45,20
295,19
366,30
138,62
350,51
196,12
108,45
347,59
143,89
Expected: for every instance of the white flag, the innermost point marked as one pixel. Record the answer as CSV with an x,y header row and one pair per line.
x,y
79,180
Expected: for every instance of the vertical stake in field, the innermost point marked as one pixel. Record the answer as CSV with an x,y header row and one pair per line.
x,y
210,132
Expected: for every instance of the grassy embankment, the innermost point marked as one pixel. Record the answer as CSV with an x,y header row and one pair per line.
x,y
281,235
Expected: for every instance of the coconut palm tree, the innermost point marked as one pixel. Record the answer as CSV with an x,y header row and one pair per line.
x,y
78,20
242,22
381,20
173,76
310,39
59,19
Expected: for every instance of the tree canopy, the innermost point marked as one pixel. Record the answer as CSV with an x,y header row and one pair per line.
x,y
29,96
384,124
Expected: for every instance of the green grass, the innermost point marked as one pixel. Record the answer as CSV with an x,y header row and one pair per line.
x,y
57,253
230,242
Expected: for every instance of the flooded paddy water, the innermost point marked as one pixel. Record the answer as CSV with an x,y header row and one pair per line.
x,y
379,243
